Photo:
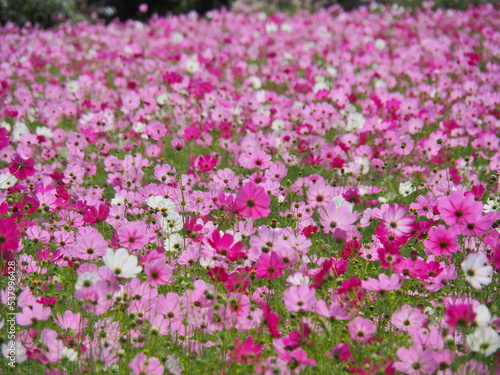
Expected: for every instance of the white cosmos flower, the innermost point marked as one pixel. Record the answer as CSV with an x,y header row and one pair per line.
x,y
406,188
173,365
477,272
86,279
298,278
70,354
484,340
174,242
7,180
118,201
166,207
161,203
492,204
172,223
19,352
340,201
122,263
483,315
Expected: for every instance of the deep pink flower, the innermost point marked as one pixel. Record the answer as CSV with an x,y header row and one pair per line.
x,y
218,274
22,168
271,319
96,216
226,245
246,352
4,140
238,281
442,241
9,235
460,315
206,163
340,352
352,195
253,201
270,266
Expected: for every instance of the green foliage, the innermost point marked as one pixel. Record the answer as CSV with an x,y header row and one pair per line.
x,y
46,13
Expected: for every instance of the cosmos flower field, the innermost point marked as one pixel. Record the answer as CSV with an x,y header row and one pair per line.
x,y
252,194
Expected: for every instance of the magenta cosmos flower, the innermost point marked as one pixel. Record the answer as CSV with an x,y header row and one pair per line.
x,y
253,201
442,241
270,266
9,235
22,168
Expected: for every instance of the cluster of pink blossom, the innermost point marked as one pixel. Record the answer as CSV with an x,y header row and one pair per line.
x,y
252,193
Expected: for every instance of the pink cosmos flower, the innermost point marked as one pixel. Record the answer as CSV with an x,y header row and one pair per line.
x,y
71,321
333,218
320,194
298,358
395,222
299,298
132,235
141,365
90,245
178,144
361,329
415,361
158,271
442,241
52,344
32,315
270,266
335,310
457,208
384,283
425,205
408,318
253,201
259,159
